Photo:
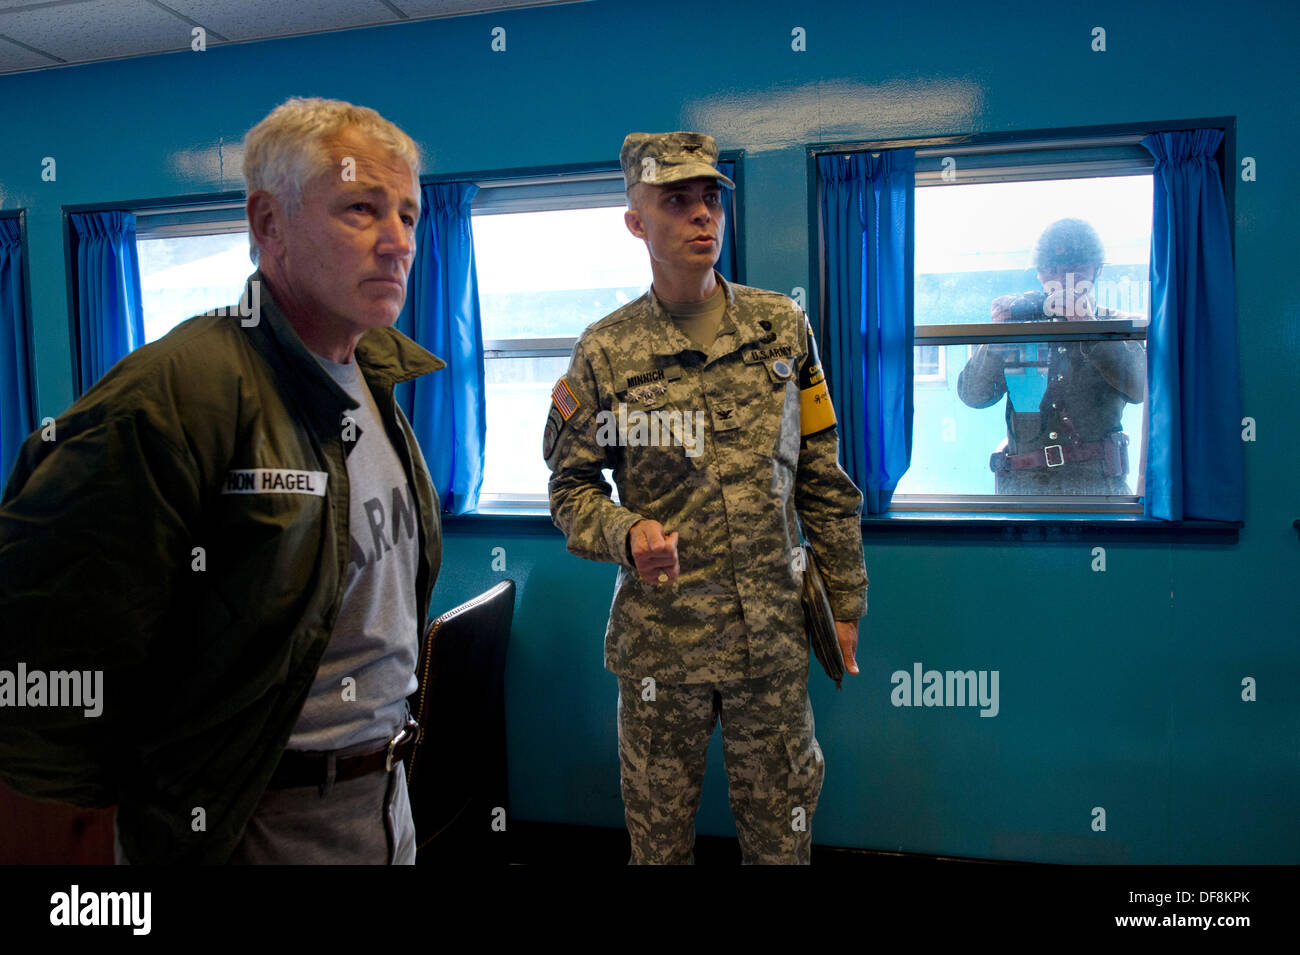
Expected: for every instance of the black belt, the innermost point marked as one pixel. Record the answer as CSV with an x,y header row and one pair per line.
x,y
307,768
1052,456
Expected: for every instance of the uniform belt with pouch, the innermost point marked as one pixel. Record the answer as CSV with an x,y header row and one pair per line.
x,y
819,619
1113,450
307,768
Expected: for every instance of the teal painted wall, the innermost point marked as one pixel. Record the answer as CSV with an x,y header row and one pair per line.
x,y
1118,689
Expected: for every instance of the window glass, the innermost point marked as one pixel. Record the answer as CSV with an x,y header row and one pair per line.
x,y
551,274
974,242
184,276
987,410
952,442
542,275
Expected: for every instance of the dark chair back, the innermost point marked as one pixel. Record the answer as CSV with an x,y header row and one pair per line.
x,y
456,775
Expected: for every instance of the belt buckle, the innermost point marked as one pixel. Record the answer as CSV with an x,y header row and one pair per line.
x,y
411,730
1060,452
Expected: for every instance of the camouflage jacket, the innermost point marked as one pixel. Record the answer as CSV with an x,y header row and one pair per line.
x,y
709,446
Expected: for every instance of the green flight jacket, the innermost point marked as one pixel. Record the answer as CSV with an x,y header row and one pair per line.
x,y
123,550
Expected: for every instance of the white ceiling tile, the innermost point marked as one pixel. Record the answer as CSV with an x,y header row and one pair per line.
x,y
10,4
97,30
14,58
256,19
452,8
86,31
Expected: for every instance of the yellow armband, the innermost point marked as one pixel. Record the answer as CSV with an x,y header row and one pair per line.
x,y
816,413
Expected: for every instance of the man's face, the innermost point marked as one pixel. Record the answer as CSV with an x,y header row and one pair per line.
x,y
347,251
681,223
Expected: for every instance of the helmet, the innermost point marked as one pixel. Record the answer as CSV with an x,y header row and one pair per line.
x,y
1068,242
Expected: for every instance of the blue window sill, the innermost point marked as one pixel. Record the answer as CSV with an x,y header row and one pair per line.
x,y
515,520
1058,527
935,525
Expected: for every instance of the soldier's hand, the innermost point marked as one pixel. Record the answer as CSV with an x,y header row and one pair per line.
x,y
654,553
846,631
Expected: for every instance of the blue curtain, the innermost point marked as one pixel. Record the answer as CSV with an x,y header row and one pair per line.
x,y
110,318
867,211
1194,461
448,408
727,264
17,411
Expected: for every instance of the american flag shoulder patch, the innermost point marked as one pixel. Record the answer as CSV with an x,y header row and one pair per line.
x,y
563,398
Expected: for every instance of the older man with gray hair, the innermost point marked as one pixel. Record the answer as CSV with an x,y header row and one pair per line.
x,y
237,527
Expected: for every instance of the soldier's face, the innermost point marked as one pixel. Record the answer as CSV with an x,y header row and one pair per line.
x,y
681,223
347,252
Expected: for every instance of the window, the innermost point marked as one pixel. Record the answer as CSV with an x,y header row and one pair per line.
x,y
1019,370
552,256
931,366
191,260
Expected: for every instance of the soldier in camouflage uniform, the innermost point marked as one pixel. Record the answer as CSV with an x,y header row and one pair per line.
x,y
1072,441
707,401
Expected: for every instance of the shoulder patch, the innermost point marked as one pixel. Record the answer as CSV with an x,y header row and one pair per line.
x,y
562,397
552,432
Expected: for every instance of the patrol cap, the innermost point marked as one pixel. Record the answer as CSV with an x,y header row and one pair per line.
x,y
1068,242
660,158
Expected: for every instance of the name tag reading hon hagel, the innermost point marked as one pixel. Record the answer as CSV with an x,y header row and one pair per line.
x,y
275,481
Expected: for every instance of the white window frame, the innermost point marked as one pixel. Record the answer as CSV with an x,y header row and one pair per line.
x,y
938,378
173,222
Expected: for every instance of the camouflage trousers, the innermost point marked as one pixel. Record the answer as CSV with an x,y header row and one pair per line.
x,y
774,765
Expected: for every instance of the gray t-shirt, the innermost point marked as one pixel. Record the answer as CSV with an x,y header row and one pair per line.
x,y
376,637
